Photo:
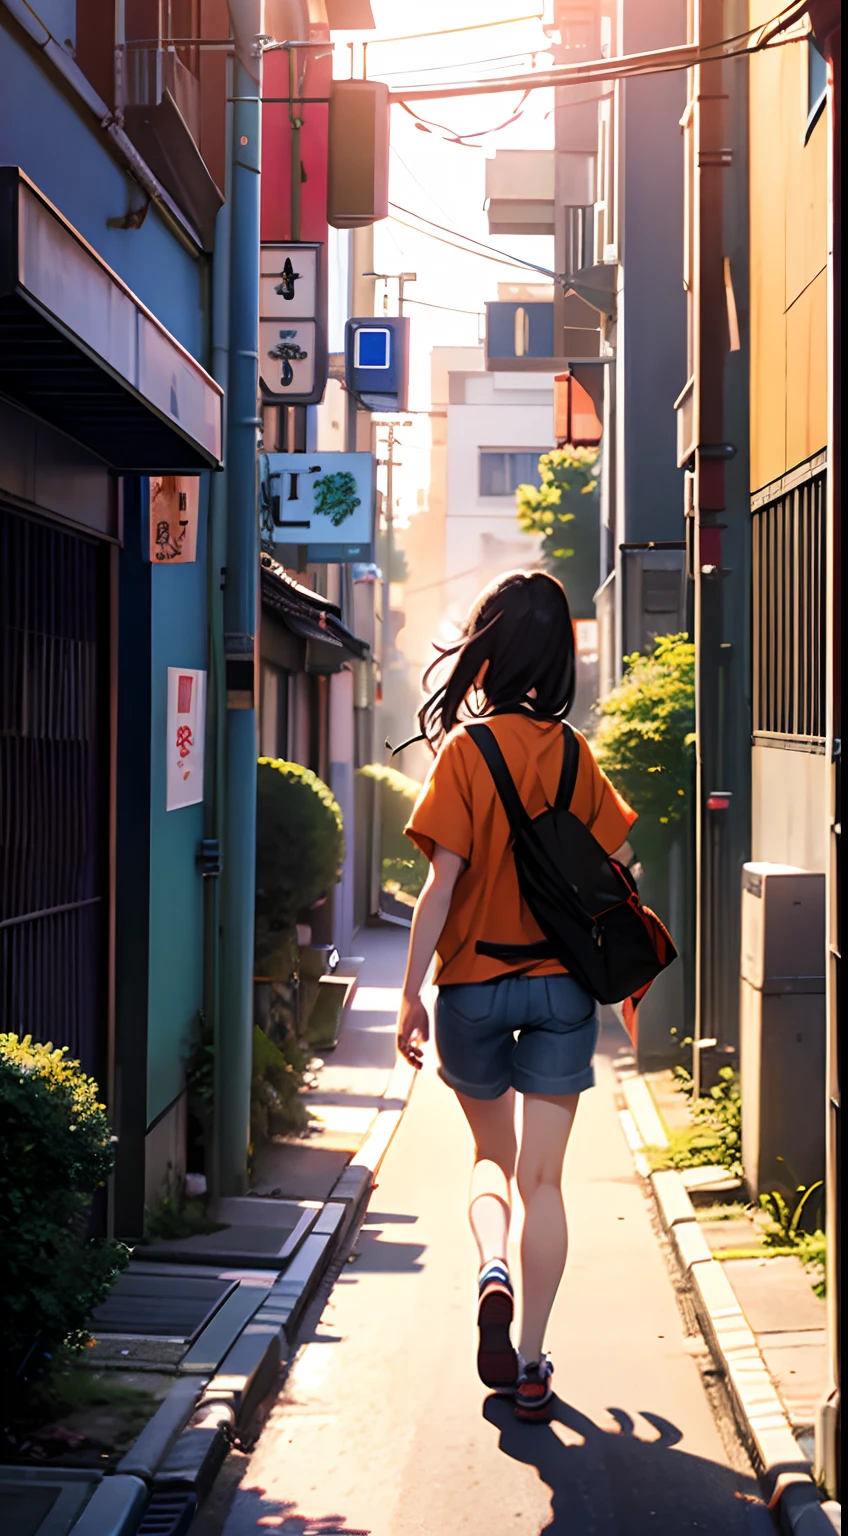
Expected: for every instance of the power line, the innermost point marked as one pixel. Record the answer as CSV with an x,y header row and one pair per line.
x,y
500,58
460,138
516,261
448,307
477,26
457,138
499,260
625,66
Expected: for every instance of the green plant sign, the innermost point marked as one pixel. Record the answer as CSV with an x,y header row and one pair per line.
x,y
335,497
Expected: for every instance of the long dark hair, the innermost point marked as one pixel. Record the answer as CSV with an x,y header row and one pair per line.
x,y
521,625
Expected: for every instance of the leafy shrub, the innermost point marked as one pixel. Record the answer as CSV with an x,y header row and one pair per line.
x,y
57,1152
276,1108
299,855
715,1136
565,510
645,738
402,863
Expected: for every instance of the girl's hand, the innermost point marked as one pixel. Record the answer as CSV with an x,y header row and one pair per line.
x,y
413,1028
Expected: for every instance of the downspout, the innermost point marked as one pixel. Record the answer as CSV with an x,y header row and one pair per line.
x,y
240,608
826,20
216,562
710,346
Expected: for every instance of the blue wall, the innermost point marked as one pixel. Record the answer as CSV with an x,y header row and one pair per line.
x,y
162,616
177,639
62,149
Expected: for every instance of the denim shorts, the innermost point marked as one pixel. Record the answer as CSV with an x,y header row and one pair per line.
x,y
536,1034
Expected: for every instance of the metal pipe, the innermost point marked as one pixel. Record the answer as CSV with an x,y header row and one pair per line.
x,y
240,607
216,695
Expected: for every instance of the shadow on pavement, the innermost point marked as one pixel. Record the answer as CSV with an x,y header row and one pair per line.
x,y
616,1483
259,1513
374,1255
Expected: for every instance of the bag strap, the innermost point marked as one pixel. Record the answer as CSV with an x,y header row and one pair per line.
x,y
485,741
570,765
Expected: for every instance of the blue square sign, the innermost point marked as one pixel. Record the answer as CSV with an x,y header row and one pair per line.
x,y
377,361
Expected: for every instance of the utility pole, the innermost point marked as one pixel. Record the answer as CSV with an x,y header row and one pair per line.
x,y
401,278
234,1041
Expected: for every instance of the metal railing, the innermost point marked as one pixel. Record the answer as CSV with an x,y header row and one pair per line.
x,y
788,569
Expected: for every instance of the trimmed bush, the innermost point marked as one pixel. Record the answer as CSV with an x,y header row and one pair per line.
x,y
57,1152
645,739
299,855
403,864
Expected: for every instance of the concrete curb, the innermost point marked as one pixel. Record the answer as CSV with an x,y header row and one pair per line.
x,y
180,1452
760,1415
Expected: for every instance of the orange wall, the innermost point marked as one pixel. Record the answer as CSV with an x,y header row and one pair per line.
x,y
788,209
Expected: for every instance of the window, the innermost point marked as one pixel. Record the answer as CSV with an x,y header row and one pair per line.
x,y
816,86
789,610
502,471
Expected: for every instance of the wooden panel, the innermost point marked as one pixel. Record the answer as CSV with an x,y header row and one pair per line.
x,y
805,174
806,373
768,242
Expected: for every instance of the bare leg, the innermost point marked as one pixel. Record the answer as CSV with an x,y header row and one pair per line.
x,y
544,1242
492,1123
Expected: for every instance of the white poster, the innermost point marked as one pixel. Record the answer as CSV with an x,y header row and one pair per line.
x,y
186,730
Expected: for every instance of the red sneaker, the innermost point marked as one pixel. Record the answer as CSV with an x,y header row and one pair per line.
x,y
534,1395
497,1362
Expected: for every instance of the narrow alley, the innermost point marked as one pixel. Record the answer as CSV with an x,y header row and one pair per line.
x,y
383,1429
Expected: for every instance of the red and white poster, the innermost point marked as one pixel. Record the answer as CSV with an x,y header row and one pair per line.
x,y
186,730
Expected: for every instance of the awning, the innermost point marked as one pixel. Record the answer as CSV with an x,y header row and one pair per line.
x,y
329,643
80,351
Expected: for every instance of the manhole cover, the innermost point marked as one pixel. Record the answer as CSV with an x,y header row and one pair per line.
x,y
164,1306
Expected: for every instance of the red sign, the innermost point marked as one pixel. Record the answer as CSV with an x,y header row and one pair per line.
x,y
296,90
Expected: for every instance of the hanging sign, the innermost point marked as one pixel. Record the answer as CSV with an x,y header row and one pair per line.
x,y
324,501
174,501
186,734
292,324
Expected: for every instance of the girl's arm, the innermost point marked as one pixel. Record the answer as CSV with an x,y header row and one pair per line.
x,y
428,920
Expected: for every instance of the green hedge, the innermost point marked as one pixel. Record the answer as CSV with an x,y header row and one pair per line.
x,y
645,739
300,850
402,863
57,1152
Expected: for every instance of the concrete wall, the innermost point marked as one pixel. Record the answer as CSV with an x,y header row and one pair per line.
x,y
651,331
482,535
789,791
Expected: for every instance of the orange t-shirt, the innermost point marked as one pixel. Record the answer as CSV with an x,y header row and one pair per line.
x,y
459,808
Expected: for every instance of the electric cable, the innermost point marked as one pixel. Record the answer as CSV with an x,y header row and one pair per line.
x,y
623,66
502,261
516,261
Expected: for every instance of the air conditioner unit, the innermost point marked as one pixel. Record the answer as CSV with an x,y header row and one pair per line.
x,y
782,1027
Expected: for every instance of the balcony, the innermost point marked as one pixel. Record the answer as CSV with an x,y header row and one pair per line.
x,y
158,101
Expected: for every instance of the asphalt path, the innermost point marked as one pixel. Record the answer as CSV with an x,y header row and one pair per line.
x,y
382,1427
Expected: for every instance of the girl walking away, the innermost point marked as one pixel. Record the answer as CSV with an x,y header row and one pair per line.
x,y
509,1017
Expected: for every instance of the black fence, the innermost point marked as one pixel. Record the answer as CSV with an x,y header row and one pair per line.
x,y
54,796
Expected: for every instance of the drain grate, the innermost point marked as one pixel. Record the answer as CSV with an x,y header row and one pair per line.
x,y
149,1304
168,1513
